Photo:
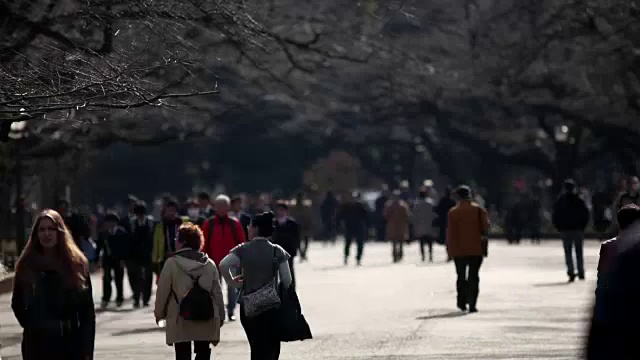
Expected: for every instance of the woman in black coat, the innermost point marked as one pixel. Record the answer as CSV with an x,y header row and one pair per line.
x,y
52,296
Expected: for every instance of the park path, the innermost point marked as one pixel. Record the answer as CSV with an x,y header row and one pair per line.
x,y
393,311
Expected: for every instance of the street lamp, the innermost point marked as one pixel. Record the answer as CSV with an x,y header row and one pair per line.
x,y
562,133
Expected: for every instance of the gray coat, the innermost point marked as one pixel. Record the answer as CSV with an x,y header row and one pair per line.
x,y
422,218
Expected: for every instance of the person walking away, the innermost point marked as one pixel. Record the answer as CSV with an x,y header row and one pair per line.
x,y
221,234
397,215
164,235
353,214
238,213
380,222
629,220
52,295
256,259
328,209
615,312
287,235
422,218
442,211
189,297
303,214
139,267
468,224
570,217
114,249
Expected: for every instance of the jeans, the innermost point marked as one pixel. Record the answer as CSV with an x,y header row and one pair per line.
x,y
359,237
112,270
468,285
232,297
200,348
569,240
262,335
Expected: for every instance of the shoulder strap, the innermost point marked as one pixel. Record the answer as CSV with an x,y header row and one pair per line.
x,y
207,241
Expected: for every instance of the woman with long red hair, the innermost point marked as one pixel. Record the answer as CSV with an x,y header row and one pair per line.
x,y
52,295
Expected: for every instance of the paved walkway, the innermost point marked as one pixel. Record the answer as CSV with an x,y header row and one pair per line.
x,y
404,311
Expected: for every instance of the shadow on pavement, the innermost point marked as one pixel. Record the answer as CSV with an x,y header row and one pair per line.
x,y
453,314
553,284
114,310
139,331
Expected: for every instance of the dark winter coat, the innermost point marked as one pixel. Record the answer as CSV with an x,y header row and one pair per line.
x,y
570,213
611,335
114,246
355,217
141,240
58,321
287,235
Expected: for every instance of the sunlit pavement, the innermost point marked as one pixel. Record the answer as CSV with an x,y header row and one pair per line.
x,y
384,311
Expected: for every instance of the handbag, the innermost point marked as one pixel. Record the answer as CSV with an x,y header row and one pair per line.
x,y
266,297
484,238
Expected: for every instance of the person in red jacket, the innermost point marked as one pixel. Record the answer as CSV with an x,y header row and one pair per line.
x,y
222,233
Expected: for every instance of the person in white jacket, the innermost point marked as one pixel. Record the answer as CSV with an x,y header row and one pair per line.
x,y
422,219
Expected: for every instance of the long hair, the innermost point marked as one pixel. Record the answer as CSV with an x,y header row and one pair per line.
x,y
68,255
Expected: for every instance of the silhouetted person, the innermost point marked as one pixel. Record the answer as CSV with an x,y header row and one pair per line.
x,y
570,217
442,211
380,222
616,315
354,215
328,211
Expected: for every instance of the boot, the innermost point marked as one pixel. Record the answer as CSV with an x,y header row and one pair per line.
x,y
572,277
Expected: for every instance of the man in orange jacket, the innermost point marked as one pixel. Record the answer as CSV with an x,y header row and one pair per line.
x,y
468,225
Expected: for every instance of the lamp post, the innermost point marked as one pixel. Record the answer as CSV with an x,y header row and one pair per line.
x,y
17,133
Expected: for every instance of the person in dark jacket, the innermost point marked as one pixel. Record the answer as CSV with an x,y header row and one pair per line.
x,y
139,268
354,216
78,225
205,209
380,221
287,234
611,335
570,217
328,210
442,211
238,213
113,248
52,298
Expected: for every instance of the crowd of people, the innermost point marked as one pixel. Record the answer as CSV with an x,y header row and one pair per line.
x,y
189,250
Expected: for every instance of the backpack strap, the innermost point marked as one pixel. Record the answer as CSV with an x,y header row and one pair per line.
x,y
207,241
234,232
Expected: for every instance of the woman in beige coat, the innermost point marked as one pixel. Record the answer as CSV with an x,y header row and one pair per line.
x,y
175,282
397,214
